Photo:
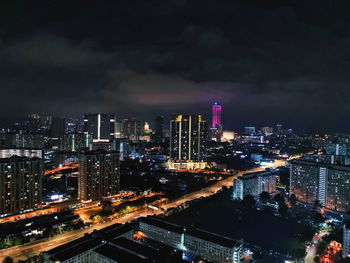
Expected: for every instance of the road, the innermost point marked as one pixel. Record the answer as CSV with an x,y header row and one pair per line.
x,y
312,249
28,250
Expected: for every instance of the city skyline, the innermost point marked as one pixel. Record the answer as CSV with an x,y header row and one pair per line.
x,y
173,131
105,58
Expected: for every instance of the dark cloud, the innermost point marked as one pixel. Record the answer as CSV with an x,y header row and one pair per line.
x,y
277,61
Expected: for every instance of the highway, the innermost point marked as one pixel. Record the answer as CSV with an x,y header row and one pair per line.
x,y
25,251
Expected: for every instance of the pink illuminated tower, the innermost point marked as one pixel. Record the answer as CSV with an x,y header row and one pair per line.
x,y
216,115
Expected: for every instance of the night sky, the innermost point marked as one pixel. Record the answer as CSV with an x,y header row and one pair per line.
x,y
266,61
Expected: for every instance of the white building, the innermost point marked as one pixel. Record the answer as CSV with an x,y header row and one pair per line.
x,y
193,242
254,184
167,233
212,247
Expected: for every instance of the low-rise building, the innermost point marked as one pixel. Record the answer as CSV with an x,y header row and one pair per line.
x,y
211,246
165,232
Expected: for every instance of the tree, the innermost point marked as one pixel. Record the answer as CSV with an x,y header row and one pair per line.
x,y
8,260
264,196
317,205
319,218
17,241
293,199
282,209
345,260
248,201
279,198
106,205
317,259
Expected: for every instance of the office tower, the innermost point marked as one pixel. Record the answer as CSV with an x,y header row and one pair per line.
x,y
58,127
216,115
254,184
187,135
20,184
330,184
100,126
249,130
98,175
346,240
159,129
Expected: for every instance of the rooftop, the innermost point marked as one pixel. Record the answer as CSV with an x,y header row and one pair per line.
x,y
211,237
162,224
120,254
74,248
320,164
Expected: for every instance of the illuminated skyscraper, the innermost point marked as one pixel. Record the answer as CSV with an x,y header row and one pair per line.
x,y
98,175
187,138
99,126
216,115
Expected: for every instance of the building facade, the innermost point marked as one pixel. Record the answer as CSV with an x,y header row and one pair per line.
x,y
98,175
100,126
192,241
330,184
254,184
187,135
216,110
20,184
211,246
75,142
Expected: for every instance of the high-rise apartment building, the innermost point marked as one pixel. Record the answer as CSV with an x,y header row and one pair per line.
x,y
75,142
100,126
22,140
98,175
187,135
330,184
20,184
254,184
336,149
